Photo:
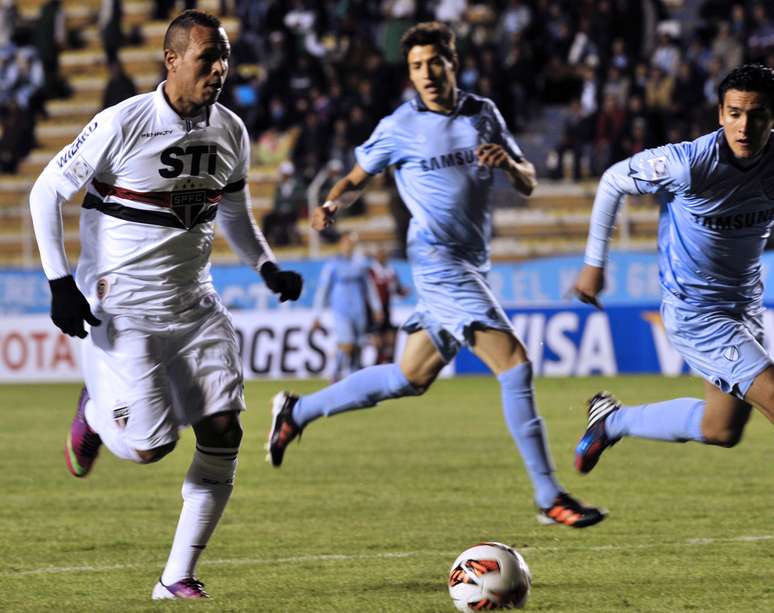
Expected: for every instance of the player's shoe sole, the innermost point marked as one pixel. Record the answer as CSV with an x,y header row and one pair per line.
x,y
83,443
283,429
595,440
570,512
186,589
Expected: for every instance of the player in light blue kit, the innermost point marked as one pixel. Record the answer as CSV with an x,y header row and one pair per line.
x,y
719,210
346,287
445,145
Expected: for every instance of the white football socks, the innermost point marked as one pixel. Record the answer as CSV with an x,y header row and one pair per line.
x,y
206,490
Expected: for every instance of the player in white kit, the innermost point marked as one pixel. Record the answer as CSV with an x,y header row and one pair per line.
x,y
161,352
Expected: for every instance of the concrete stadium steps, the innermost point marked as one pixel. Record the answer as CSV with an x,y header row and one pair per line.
x,y
80,14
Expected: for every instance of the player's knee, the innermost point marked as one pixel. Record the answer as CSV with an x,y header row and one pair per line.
x,y
148,456
722,436
220,430
419,384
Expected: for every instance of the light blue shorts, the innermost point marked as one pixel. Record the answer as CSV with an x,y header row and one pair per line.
x,y
454,299
349,330
725,348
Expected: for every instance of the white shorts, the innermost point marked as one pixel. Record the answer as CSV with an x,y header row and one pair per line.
x,y
155,376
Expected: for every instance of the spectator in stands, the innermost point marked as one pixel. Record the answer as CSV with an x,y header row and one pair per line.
x,y
49,36
29,81
120,85
17,135
110,15
9,16
279,226
762,36
609,125
727,48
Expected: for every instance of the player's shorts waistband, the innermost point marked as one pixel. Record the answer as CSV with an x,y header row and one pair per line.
x,y
181,217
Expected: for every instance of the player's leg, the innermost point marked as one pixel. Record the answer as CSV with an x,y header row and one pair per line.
x,y
419,366
342,361
121,402
206,491
761,392
206,378
726,350
506,357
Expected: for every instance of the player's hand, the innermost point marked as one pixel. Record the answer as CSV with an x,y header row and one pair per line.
x,y
316,325
378,317
286,283
590,282
69,307
494,156
324,216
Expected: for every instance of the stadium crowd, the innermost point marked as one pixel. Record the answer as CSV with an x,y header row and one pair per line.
x,y
617,75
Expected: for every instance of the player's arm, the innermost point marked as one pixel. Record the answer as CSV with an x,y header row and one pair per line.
x,y
519,170
666,168
67,173
505,153
614,185
248,242
244,236
342,195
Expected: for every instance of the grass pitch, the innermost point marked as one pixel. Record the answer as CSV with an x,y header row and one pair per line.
x,y
369,511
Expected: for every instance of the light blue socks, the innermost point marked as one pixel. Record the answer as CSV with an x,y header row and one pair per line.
x,y
676,420
527,430
360,390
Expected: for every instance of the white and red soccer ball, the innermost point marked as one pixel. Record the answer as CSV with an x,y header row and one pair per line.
x,y
489,576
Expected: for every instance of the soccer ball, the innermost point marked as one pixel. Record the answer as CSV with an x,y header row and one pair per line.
x,y
489,576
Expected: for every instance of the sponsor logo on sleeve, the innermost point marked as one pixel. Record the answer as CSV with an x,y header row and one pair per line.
x,y
79,171
70,152
658,168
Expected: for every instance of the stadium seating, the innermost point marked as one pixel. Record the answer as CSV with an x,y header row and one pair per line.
x,y
553,221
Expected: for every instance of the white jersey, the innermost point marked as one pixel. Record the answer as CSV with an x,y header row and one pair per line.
x,y
155,183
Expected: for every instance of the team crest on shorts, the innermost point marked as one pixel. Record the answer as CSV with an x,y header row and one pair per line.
x,y
121,414
731,354
767,183
102,288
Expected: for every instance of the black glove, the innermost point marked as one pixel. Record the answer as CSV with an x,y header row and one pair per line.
x,y
286,283
69,307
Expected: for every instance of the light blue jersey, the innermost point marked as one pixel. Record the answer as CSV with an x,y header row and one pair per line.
x,y
715,222
716,217
346,288
448,194
437,173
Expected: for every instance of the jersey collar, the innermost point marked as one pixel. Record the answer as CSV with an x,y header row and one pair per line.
x,y
460,98
167,115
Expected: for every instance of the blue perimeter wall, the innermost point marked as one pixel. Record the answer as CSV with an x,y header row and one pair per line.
x,y
563,336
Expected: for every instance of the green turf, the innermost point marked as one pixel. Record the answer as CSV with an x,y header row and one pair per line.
x,y
369,511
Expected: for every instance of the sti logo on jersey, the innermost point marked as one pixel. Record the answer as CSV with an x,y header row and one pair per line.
x,y
171,158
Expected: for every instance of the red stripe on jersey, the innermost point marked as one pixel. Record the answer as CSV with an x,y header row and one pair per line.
x,y
163,199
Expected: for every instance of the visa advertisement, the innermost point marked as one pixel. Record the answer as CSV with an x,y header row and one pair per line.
x,y
563,337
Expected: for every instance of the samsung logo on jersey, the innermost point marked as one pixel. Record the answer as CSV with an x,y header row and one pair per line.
x,y
152,134
734,222
68,155
455,158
